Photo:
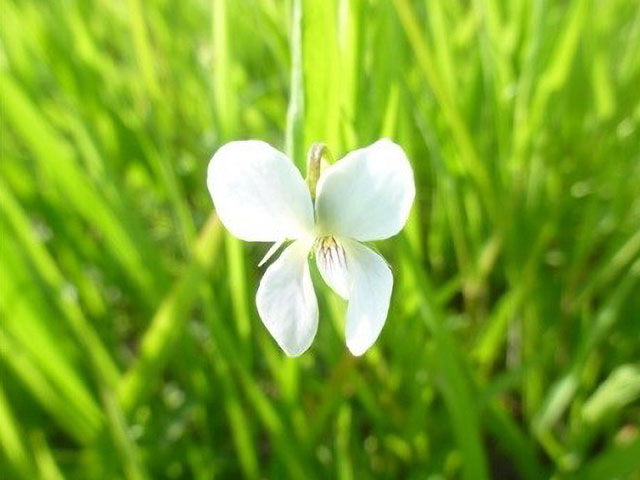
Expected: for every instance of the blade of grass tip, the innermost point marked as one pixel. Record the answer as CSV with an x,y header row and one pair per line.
x,y
127,450
619,461
295,111
47,466
47,269
12,442
170,319
453,383
619,389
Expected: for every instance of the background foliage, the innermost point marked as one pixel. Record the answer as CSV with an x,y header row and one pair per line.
x,y
130,344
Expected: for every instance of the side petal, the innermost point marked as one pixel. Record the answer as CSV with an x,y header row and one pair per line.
x,y
331,259
366,195
258,193
370,285
286,301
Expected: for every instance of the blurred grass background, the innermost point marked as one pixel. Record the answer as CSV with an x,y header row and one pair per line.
x,y
130,343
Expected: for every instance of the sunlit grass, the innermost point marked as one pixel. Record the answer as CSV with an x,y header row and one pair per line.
x,y
130,343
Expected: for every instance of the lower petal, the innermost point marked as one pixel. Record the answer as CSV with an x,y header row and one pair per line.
x,y
332,264
286,300
370,285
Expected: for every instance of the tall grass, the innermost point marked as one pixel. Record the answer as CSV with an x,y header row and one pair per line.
x,y
130,343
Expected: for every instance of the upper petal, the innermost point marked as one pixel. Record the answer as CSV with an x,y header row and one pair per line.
x,y
366,195
258,193
286,301
370,285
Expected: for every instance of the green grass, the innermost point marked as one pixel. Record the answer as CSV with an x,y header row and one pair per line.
x,y
130,346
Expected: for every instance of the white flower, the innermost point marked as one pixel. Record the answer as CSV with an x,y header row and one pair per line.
x,y
260,196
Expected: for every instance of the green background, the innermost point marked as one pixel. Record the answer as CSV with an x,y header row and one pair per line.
x,y
130,343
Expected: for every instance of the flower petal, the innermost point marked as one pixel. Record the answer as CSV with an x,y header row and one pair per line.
x,y
366,195
370,285
258,193
286,301
332,264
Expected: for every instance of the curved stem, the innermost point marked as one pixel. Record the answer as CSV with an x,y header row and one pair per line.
x,y
317,153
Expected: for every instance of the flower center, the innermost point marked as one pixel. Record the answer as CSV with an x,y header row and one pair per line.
x,y
331,251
